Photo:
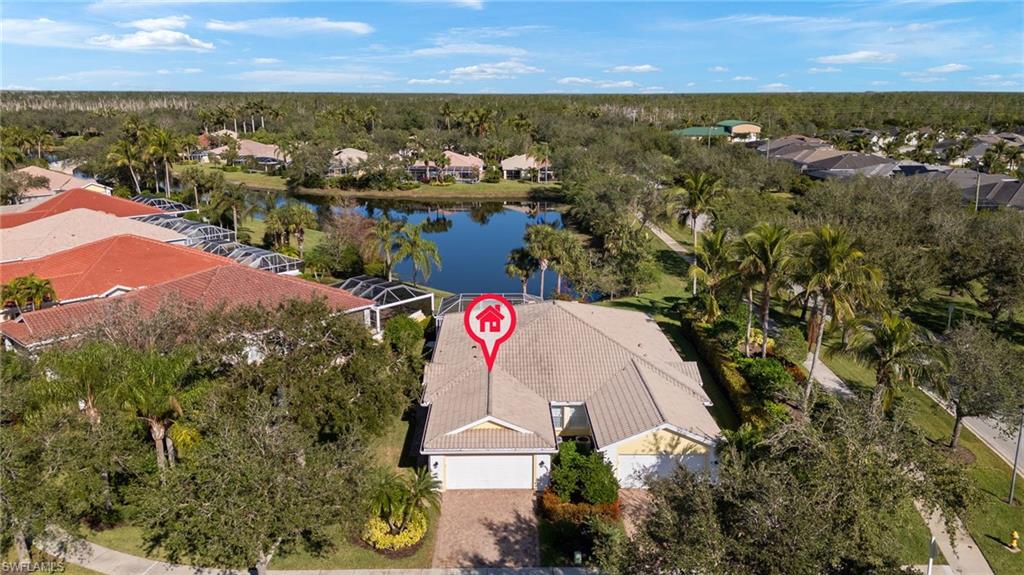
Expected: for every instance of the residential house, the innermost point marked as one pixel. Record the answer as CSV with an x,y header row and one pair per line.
x,y
75,199
524,166
221,287
988,190
604,378
734,130
345,160
57,182
849,164
67,230
111,267
463,168
266,156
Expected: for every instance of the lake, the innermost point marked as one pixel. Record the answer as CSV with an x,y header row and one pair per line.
x,y
474,239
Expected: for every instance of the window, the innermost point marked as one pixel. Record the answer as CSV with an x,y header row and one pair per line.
x,y
556,416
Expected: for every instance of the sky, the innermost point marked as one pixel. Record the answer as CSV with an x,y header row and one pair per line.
x,y
493,46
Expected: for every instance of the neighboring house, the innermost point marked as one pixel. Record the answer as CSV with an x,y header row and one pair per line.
x,y
75,199
222,287
195,232
345,161
605,378
463,168
267,156
734,130
111,267
57,182
847,165
989,190
163,204
73,228
524,166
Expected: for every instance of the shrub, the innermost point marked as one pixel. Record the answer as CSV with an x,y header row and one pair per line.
x,y
727,332
722,366
791,345
565,471
555,510
766,377
492,175
599,485
404,334
608,545
776,413
377,534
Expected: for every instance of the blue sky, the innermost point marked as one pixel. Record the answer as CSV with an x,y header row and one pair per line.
x,y
482,46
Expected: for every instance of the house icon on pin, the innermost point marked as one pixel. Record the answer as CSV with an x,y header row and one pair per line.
x,y
490,319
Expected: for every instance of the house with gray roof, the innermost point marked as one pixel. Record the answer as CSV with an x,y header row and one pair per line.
x,y
607,379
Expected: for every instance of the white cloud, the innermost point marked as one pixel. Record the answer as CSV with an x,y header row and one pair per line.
x,y
165,71
948,68
264,61
578,81
506,70
429,81
640,69
743,78
165,23
691,84
988,78
288,26
825,70
42,32
151,40
86,75
718,69
448,49
492,31
313,77
654,90
880,83
858,57
775,86
471,4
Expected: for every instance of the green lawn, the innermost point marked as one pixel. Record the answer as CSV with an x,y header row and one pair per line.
x,y
502,190
933,313
991,522
258,227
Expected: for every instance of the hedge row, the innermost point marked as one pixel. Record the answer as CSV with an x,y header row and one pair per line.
x,y
555,510
724,369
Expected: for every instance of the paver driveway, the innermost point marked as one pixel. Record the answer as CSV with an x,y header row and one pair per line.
x,y
487,528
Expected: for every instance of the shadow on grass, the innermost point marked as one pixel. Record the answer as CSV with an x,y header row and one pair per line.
x,y
672,263
410,456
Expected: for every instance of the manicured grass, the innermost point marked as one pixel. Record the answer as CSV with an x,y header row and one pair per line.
x,y
933,313
126,539
912,537
255,181
258,227
659,301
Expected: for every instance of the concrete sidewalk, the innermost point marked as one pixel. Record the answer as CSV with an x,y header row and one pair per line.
x,y
967,558
110,562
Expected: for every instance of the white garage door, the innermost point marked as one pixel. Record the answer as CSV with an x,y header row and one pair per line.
x,y
489,472
633,468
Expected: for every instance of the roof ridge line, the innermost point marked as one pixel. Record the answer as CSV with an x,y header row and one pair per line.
x,y
647,388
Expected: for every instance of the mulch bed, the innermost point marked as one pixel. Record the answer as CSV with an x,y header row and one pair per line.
x,y
398,554
961,454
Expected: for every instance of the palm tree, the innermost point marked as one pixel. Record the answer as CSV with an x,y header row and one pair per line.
x,y
412,245
447,114
701,189
839,278
395,498
384,238
297,218
126,154
231,199
28,290
163,147
541,242
765,257
81,378
901,353
541,154
42,140
520,264
153,386
713,264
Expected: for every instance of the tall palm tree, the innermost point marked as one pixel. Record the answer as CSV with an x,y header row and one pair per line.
x,y
839,277
700,189
541,154
541,242
153,386
163,147
901,353
520,264
765,255
423,252
82,377
713,264
126,154
385,241
28,290
447,114
231,199
297,219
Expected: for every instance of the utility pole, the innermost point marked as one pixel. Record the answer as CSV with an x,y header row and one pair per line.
x,y
1016,456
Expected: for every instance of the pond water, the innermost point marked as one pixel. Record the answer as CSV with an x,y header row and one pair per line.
x,y
474,239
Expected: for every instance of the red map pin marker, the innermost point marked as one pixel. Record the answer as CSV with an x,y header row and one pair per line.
x,y
490,320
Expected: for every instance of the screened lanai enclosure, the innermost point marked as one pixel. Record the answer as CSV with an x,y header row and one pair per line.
x,y
389,298
169,206
196,232
253,256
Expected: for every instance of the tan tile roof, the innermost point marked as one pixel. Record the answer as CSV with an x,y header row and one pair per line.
x,y
617,362
55,181
70,229
76,199
522,162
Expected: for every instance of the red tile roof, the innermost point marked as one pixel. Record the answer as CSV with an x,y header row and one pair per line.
x,y
93,269
223,286
78,198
